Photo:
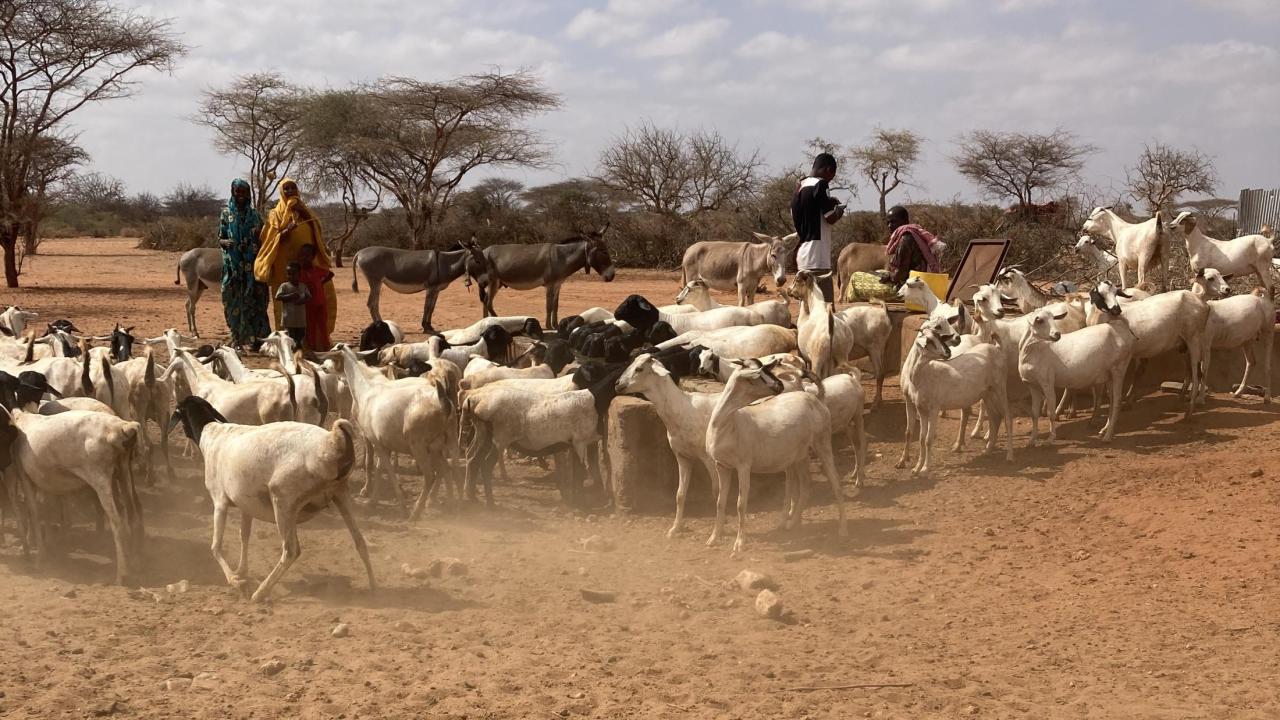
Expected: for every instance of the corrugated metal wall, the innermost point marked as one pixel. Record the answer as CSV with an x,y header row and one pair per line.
x,y
1258,207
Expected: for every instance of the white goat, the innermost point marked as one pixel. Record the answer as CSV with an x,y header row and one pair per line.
x,y
686,415
412,415
933,380
255,402
871,327
697,293
1245,255
1140,245
501,416
1241,321
1162,323
284,473
1103,262
313,404
824,340
769,436
1047,360
739,342
62,453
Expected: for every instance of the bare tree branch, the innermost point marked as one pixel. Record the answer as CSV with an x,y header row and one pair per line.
x,y
1164,173
1019,166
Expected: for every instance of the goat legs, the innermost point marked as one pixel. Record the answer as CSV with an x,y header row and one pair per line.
x,y
287,523
828,462
234,579
1248,364
964,423
1117,385
430,476
928,421
860,448
912,422
685,468
246,532
722,502
1037,401
744,492
344,509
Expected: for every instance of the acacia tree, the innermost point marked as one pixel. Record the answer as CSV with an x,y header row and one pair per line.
x,y
256,117
1018,166
54,163
56,57
329,168
887,160
418,140
1163,173
673,173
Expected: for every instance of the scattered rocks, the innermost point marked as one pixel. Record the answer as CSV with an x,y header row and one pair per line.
x,y
414,572
752,580
795,555
271,667
596,544
206,681
340,630
599,596
1080,555
404,626
174,684
454,567
179,587
1255,473
70,594
110,708
769,605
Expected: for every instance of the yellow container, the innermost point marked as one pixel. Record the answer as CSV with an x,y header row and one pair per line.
x,y
937,282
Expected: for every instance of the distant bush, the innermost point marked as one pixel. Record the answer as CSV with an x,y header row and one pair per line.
x,y
179,234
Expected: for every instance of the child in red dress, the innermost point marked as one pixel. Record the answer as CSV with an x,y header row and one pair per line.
x,y
317,315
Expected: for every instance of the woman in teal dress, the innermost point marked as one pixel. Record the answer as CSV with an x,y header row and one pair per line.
x,y
244,299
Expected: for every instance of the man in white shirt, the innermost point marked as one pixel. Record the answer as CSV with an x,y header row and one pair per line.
x,y
813,212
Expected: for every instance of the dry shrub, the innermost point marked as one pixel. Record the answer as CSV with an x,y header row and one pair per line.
x,y
180,234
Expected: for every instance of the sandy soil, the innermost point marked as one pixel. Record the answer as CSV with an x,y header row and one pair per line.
x,y
1082,580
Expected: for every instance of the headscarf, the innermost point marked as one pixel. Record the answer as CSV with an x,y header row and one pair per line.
x,y
277,220
241,216
929,245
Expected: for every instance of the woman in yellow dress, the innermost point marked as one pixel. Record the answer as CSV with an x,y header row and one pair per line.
x,y
290,226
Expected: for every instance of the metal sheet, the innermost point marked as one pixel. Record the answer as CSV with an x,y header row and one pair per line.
x,y
1259,207
981,261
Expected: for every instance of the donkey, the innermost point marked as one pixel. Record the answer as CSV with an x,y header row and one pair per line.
x,y
525,267
740,265
201,268
412,271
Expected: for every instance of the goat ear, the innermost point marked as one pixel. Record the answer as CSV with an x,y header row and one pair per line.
x,y
1123,294
1060,316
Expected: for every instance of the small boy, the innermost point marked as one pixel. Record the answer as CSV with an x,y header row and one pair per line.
x,y
314,278
294,295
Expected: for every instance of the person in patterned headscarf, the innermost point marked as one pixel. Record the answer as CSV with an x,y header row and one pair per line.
x,y
291,226
244,299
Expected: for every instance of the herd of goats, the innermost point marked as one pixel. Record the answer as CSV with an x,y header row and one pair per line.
x,y
280,443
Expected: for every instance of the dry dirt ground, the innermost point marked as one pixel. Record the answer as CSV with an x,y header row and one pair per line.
x,y
1081,580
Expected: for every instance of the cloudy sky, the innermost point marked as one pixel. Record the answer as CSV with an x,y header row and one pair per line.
x,y
767,74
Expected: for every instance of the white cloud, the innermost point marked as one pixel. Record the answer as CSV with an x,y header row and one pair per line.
x,y
683,39
771,44
1256,9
